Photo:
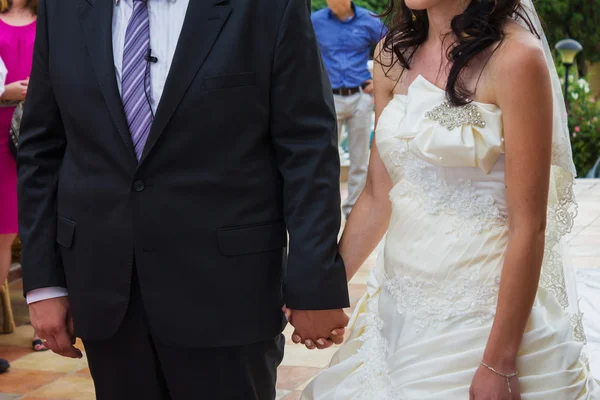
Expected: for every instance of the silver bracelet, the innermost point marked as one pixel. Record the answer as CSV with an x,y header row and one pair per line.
x,y
505,376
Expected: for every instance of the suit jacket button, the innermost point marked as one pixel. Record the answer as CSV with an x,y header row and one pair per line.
x,y
138,186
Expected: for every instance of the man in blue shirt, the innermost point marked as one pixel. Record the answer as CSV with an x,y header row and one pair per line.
x,y
346,34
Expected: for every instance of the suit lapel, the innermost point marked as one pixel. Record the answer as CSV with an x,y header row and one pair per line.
x,y
95,17
203,22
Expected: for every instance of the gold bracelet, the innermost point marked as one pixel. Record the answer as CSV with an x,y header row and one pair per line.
x,y
505,376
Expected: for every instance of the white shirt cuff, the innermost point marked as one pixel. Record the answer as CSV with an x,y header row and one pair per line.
x,y
45,294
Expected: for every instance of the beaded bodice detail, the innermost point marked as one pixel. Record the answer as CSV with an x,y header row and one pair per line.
x,y
451,117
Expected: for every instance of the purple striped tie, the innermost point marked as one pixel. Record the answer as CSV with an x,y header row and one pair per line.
x,y
135,76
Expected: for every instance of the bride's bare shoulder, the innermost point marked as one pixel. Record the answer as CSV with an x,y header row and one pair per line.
x,y
520,49
387,69
519,59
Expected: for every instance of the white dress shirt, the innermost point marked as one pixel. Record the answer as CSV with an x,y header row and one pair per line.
x,y
166,21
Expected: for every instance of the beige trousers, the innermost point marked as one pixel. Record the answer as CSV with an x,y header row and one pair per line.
x,y
355,113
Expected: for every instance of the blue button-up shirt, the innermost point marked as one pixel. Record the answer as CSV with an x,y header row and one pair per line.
x,y
345,45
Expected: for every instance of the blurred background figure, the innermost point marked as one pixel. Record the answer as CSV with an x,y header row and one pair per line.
x,y
17,34
347,34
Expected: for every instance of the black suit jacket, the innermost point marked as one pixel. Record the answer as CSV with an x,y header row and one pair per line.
x,y
242,151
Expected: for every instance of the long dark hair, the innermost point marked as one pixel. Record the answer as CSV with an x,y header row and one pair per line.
x,y
6,5
478,28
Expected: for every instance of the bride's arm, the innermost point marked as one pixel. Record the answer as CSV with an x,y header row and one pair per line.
x,y
525,96
371,214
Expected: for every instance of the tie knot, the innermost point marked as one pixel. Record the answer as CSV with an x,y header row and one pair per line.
x,y
140,1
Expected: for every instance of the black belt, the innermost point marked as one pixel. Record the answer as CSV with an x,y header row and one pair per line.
x,y
350,91
346,91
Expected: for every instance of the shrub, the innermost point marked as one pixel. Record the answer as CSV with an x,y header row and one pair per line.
x,y
584,125
577,19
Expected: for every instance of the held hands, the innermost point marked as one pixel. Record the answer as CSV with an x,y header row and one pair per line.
x,y
53,322
487,385
318,329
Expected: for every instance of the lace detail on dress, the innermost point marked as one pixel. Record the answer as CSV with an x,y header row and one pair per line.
x,y
450,116
376,382
431,302
578,332
474,213
561,213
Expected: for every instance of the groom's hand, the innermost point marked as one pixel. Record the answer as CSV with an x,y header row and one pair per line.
x,y
318,329
52,321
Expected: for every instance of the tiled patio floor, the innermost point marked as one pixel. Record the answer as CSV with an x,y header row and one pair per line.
x,y
45,376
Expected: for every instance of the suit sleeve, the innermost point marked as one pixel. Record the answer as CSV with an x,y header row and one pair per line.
x,y
304,132
42,146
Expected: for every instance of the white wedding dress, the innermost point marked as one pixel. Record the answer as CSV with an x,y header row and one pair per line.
x,y
421,330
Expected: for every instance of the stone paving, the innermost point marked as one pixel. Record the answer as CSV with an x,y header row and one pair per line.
x,y
45,376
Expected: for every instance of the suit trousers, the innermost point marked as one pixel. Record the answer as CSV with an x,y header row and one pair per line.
x,y
134,364
355,113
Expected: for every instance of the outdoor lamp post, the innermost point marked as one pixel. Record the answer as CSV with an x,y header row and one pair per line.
x,y
568,50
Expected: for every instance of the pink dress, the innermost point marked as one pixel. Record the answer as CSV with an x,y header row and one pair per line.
x,y
16,50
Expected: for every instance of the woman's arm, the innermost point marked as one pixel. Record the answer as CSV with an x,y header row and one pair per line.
x,y
370,215
525,96
13,93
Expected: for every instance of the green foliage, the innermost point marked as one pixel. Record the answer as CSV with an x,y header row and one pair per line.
x,y
584,125
576,19
377,6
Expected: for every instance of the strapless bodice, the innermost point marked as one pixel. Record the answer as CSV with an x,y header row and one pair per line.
x,y
450,158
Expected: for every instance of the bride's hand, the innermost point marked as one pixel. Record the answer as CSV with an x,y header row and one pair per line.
x,y
487,385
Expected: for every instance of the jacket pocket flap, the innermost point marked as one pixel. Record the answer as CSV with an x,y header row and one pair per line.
x,y
229,81
241,240
65,231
